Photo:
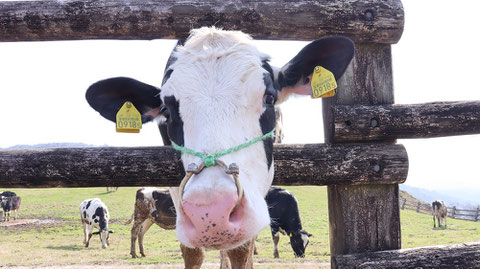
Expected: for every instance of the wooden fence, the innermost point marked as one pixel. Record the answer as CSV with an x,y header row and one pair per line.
x,y
362,178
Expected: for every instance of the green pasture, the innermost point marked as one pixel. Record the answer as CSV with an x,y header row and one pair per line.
x,y
57,238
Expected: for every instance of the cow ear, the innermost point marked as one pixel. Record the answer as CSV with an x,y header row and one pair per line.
x,y
332,53
96,233
111,231
108,96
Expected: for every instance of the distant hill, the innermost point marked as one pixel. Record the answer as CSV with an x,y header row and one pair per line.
x,y
459,198
51,146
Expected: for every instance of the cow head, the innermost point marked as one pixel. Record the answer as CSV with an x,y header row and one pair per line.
x,y
104,236
219,92
299,241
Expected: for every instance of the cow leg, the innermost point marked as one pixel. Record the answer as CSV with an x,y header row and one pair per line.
x,y
192,257
136,230
85,233
90,233
445,221
15,214
276,239
145,226
224,260
242,256
8,216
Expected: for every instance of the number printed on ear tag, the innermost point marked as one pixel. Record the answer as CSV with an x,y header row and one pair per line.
x,y
323,83
129,119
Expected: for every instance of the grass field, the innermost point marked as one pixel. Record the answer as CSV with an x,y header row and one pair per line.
x,y
57,238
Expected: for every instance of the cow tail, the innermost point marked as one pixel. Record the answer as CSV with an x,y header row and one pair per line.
x,y
128,221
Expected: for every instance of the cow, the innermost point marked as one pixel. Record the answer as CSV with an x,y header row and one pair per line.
x,y
152,205
217,100
285,218
439,210
10,203
94,213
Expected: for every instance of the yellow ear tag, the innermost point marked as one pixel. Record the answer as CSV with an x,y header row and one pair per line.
x,y
323,83
129,119
291,234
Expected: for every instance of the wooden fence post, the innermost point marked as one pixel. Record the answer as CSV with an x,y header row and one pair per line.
x,y
404,202
477,213
453,212
418,207
363,218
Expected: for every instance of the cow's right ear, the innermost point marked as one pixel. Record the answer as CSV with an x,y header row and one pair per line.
x,y
108,96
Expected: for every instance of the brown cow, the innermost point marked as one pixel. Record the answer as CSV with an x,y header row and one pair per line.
x,y
439,210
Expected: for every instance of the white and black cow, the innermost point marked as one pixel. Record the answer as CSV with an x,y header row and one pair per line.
x,y
10,202
439,210
285,218
94,213
219,92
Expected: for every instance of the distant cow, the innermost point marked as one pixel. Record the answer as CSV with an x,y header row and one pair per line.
x,y
285,218
439,210
94,213
152,205
10,203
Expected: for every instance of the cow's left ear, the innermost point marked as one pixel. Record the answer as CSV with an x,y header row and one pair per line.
x,y
111,231
108,96
332,53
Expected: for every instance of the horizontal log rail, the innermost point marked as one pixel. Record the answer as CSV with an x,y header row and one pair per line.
x,y
362,20
386,122
314,164
462,256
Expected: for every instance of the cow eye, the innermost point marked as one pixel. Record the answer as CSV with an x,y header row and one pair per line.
x,y
269,99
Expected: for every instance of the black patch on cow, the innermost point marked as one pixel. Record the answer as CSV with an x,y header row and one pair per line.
x,y
88,204
164,208
8,194
174,122
268,117
140,194
84,214
100,213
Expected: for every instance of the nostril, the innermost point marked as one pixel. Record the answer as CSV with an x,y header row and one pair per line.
x,y
236,214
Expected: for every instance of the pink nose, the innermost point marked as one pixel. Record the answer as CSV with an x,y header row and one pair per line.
x,y
216,223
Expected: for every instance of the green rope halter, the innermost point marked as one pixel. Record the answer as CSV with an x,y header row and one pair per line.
x,y
209,160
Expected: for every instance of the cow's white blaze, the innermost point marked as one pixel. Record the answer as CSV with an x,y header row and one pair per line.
x,y
218,82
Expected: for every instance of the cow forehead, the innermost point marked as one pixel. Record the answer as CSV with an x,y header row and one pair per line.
x,y
216,65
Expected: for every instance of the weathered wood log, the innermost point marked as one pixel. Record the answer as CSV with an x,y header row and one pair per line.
x,y
461,256
367,217
381,122
363,21
314,164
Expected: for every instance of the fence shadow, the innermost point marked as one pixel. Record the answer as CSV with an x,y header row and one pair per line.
x,y
75,248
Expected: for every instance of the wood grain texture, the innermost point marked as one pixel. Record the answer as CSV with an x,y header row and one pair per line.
x,y
460,256
387,122
366,217
314,164
363,21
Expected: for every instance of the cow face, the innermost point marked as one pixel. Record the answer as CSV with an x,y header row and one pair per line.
x,y
299,241
219,92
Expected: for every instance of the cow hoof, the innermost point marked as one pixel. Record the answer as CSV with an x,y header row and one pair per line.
x,y
134,256
143,255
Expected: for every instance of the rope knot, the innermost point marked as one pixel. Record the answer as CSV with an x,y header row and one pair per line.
x,y
209,160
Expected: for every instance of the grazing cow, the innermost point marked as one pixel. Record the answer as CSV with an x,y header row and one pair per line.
x,y
152,205
285,218
439,210
94,213
10,203
219,93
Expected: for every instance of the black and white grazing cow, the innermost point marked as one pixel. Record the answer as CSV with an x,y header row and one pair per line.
x,y
285,218
219,92
10,202
152,205
94,213
439,210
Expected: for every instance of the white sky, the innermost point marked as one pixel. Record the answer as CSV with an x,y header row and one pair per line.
x,y
42,87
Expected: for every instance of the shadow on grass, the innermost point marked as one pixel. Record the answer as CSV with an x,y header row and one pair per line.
x,y
66,248
441,228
